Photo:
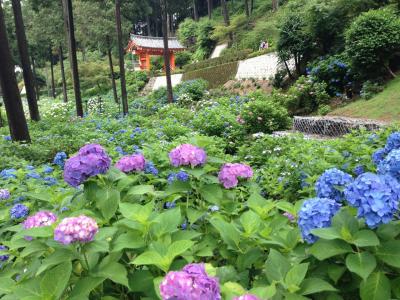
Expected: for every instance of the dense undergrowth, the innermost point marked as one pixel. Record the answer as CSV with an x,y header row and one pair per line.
x,y
239,202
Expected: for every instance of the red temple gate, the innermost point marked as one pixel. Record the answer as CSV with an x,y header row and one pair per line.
x,y
146,46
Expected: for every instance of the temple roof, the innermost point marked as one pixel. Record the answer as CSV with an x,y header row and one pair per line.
x,y
151,42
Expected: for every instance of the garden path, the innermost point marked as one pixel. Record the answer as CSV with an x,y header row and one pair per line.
x,y
218,50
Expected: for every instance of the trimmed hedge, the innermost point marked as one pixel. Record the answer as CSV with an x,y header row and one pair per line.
x,y
216,75
234,57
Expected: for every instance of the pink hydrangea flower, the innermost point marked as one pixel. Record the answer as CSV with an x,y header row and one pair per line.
x,y
192,283
229,174
186,154
246,297
76,229
40,219
130,163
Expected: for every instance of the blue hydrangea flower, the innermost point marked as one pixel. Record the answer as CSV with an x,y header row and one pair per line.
x,y
59,159
7,138
3,257
316,213
391,164
184,225
393,142
64,209
182,176
8,173
50,181
358,170
48,169
120,150
169,205
33,175
378,156
332,183
149,168
171,178
30,168
19,199
375,196
19,211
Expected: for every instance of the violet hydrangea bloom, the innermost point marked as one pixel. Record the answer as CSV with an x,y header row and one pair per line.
x,y
375,196
4,194
246,297
229,174
391,164
90,161
40,219
76,229
19,211
316,213
131,163
187,155
3,257
192,283
332,183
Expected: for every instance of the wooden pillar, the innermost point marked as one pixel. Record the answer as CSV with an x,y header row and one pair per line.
x,y
172,60
147,61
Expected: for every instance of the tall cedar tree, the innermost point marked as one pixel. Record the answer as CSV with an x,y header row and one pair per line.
x,y
121,52
69,21
25,61
163,4
8,83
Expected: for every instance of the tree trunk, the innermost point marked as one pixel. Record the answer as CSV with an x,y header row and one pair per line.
x,y
124,95
225,12
195,11
114,86
209,7
8,83
288,69
163,4
25,61
148,22
69,23
53,88
34,78
64,82
275,5
246,8
251,6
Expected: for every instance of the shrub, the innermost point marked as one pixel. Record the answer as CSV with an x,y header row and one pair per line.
x,y
262,114
372,41
305,96
187,32
205,43
183,58
370,89
190,91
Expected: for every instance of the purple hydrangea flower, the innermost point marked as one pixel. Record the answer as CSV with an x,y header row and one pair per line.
x,y
375,196
80,229
59,159
229,174
192,283
90,161
332,183
187,155
391,164
19,211
131,163
3,257
316,213
378,156
290,217
246,297
40,219
4,194
393,142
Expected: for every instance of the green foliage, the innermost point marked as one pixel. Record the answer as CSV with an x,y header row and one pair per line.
x,y
372,41
204,41
187,33
135,82
262,114
183,58
190,91
370,89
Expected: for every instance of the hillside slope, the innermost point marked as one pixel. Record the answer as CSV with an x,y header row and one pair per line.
x,y
385,106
